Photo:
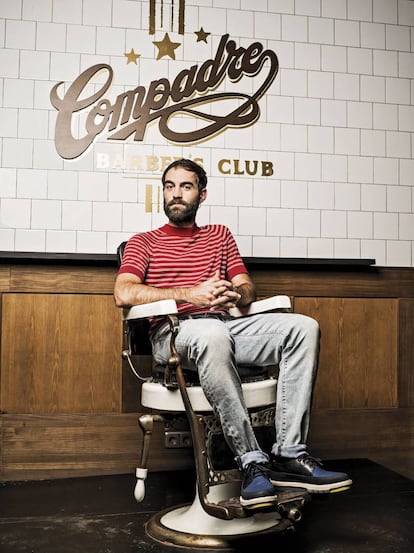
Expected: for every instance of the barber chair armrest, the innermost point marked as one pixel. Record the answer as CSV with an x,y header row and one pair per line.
x,y
274,303
153,309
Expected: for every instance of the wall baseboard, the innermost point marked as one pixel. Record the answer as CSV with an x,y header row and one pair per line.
x,y
54,446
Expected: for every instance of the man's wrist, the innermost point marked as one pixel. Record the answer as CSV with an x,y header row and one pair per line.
x,y
246,295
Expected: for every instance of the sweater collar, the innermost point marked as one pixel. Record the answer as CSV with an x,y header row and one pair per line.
x,y
180,231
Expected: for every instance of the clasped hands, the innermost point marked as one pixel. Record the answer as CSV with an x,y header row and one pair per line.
x,y
215,293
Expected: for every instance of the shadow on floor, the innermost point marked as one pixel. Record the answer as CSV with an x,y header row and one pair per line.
x,y
100,515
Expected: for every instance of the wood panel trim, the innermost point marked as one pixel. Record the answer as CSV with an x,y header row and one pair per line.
x,y
345,432
62,279
406,353
4,278
60,446
369,283
301,281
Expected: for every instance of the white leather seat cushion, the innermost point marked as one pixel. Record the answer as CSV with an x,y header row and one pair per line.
x,y
156,396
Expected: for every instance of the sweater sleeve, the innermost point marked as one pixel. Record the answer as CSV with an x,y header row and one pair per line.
x,y
235,264
135,257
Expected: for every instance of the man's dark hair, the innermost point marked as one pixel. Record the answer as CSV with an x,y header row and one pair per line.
x,y
189,165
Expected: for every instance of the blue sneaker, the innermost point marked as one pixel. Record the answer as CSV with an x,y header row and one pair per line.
x,y
307,472
257,492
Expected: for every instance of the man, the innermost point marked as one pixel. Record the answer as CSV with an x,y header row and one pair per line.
x,y
201,269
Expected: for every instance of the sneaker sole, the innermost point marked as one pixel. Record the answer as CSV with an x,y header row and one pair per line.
x,y
259,502
315,488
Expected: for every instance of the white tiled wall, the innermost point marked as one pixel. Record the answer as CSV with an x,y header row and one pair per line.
x,y
337,123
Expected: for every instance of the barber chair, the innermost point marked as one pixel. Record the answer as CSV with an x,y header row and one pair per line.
x,y
173,396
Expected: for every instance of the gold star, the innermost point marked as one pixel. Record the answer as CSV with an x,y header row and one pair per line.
x,y
166,47
132,56
202,35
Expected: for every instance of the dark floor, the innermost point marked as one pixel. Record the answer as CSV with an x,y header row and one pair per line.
x,y
99,515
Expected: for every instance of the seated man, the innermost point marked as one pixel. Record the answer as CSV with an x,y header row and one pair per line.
x,y
201,269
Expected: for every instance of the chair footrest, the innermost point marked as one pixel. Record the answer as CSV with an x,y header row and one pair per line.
x,y
289,504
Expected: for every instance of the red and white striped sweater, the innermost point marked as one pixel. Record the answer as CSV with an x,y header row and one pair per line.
x,y
171,257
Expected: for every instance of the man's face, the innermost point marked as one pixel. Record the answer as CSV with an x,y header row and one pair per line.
x,y
181,196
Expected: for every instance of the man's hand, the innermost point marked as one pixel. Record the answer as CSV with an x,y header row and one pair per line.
x,y
213,293
225,298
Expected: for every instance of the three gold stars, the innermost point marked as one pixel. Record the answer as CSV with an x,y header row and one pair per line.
x,y
166,47
132,57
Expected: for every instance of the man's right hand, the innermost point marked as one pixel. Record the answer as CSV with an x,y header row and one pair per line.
x,y
207,293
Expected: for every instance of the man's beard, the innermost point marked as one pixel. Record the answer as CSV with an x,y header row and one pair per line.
x,y
180,215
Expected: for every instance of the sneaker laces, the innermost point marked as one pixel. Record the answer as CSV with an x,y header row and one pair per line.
x,y
254,469
310,460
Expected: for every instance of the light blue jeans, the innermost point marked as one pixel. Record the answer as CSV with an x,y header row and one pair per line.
x,y
216,347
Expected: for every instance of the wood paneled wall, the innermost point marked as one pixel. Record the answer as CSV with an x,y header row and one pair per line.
x,y
60,354
69,405
358,357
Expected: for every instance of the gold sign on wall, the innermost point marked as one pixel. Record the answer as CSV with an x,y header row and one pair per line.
x,y
152,196
191,94
173,17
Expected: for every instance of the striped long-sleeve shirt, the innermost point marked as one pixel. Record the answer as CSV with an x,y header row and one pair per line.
x,y
171,257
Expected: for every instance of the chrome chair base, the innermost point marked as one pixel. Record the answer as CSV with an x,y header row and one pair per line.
x,y
189,526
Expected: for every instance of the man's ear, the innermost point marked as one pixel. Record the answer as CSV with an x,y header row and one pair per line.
x,y
203,195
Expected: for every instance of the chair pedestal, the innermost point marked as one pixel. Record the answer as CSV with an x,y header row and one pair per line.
x,y
190,526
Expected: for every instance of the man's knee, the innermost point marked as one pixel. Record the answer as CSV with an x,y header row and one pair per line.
x,y
307,326
312,325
